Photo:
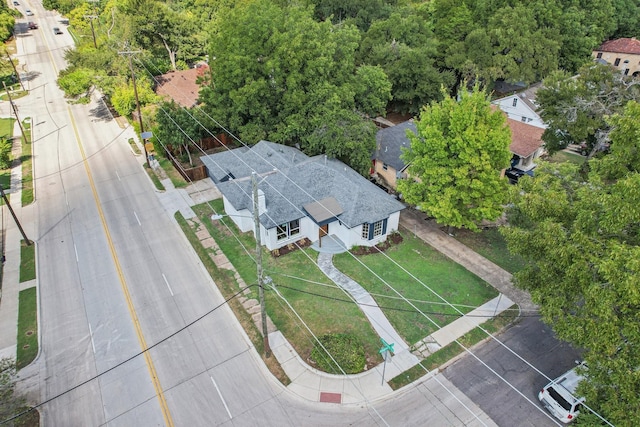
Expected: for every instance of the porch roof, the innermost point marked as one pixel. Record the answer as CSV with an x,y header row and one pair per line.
x,y
323,209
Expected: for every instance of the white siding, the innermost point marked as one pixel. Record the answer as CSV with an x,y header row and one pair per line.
x,y
519,111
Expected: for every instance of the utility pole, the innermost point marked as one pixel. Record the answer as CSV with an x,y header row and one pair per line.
x,y
14,70
129,53
15,111
256,224
6,200
93,33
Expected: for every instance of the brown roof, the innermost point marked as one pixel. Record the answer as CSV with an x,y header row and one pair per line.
x,y
525,139
180,86
623,45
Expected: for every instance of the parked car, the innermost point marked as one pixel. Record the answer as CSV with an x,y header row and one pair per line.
x,y
32,25
28,12
57,30
558,397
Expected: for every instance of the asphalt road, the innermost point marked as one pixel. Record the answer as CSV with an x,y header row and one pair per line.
x,y
536,343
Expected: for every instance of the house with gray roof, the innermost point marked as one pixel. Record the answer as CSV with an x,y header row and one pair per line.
x,y
301,196
388,166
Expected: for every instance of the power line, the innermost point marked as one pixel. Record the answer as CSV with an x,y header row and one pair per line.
x,y
267,162
117,365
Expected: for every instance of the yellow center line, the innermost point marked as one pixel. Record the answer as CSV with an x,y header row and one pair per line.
x,y
125,289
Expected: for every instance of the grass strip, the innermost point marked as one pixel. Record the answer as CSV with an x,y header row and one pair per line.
x,y
27,261
27,164
27,327
154,178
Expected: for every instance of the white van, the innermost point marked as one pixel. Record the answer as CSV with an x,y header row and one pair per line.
x,y
558,397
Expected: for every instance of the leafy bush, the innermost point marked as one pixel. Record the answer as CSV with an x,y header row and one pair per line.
x,y
347,351
5,154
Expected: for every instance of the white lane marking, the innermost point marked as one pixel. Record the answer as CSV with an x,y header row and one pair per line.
x,y
93,345
221,398
167,282
137,219
118,175
75,248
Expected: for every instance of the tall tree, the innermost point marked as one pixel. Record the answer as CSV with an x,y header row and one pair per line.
x,y
405,48
576,107
581,237
456,160
280,75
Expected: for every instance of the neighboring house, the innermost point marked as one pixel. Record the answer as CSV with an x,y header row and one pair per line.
x,y
301,196
522,106
624,54
388,165
181,86
526,146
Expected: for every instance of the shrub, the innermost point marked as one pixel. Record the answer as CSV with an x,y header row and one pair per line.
x,y
5,154
347,351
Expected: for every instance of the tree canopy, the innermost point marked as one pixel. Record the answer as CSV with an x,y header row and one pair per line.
x,y
576,107
280,75
581,238
455,161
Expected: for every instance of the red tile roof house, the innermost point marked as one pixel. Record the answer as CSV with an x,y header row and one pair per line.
x,y
181,86
526,145
624,54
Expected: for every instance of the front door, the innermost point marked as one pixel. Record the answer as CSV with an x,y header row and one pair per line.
x,y
322,231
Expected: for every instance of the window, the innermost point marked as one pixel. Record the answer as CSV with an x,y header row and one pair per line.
x,y
365,231
524,119
515,102
371,230
385,166
287,230
617,62
626,71
377,229
599,55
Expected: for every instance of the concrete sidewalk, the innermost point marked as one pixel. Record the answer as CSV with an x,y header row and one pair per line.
x,y
11,285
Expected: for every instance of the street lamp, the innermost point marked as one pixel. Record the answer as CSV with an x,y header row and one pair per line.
x,y
256,229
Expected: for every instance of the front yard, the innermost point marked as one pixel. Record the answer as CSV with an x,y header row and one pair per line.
x,y
305,298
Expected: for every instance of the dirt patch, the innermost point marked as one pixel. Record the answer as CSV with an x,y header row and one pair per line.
x,y
300,244
392,240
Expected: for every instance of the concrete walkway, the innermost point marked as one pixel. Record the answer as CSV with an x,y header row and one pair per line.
x,y
365,301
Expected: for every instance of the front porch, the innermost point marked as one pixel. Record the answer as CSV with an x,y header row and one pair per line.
x,y
329,244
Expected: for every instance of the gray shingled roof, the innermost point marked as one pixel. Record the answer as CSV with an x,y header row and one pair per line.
x,y
390,141
298,180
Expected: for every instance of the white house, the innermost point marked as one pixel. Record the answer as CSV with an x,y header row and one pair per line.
x,y
522,106
301,196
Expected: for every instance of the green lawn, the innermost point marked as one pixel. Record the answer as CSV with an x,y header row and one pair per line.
x,y
321,305
430,278
177,179
27,262
564,156
27,327
490,244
